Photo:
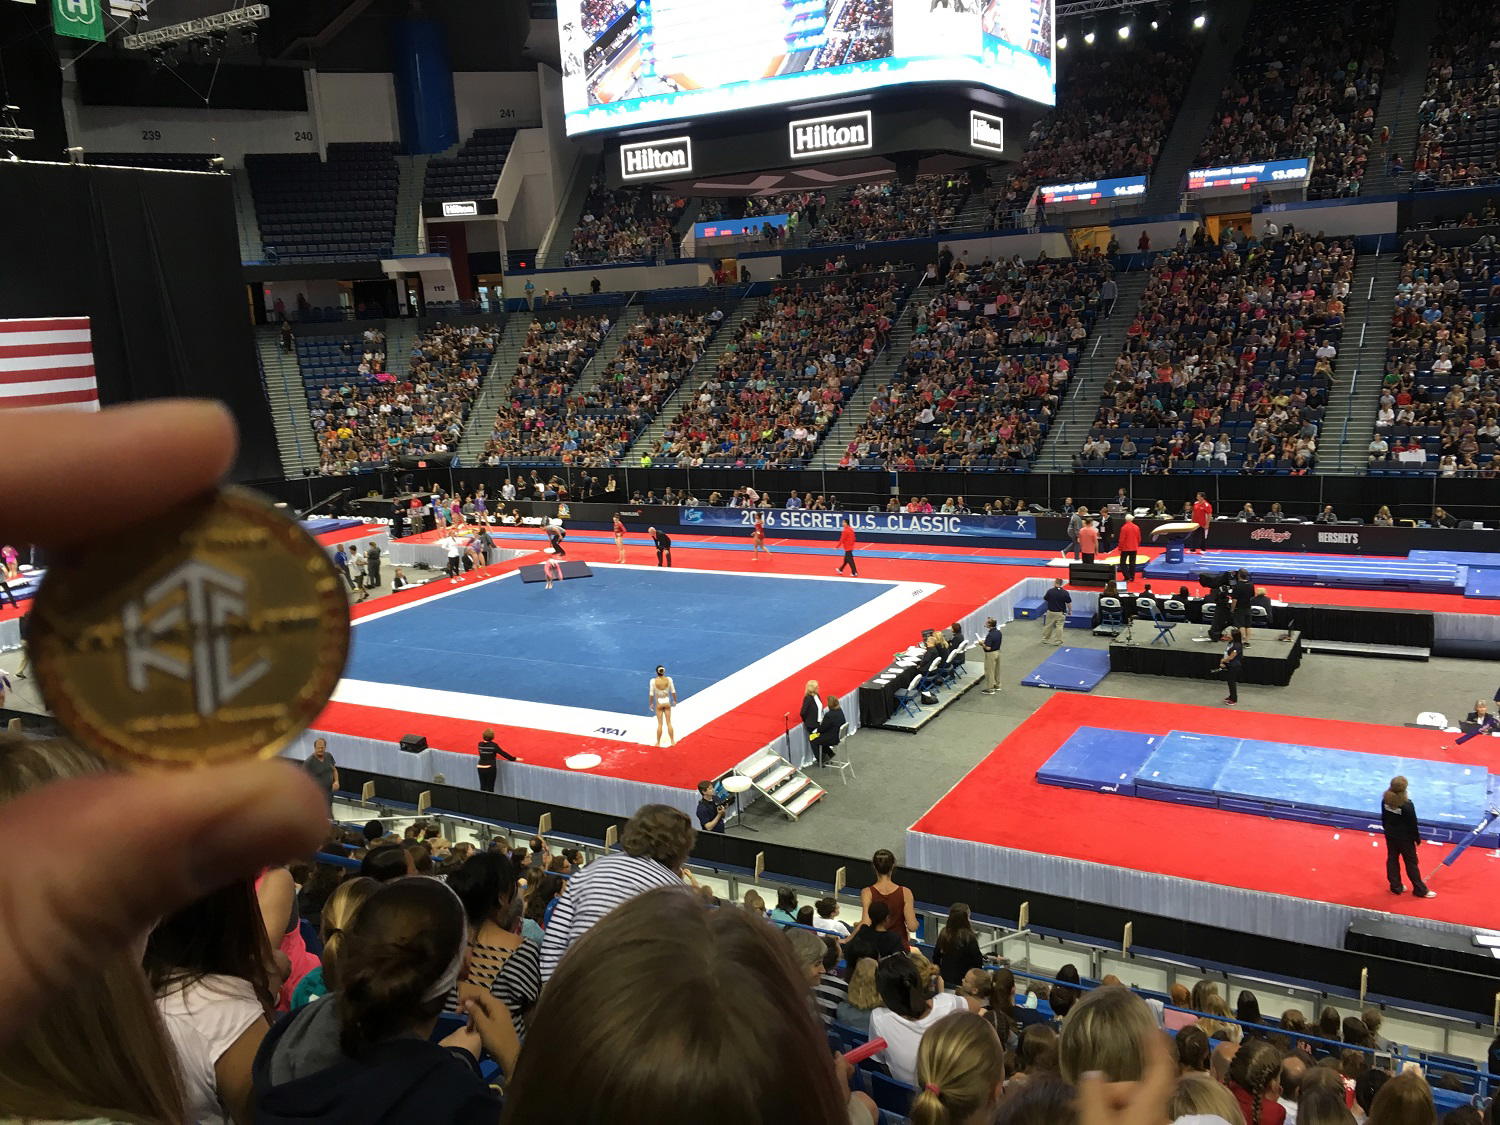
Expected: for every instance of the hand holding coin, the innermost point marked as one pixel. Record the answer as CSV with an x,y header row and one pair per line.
x,y
127,848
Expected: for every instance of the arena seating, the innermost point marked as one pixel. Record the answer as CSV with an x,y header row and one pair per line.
x,y
623,225
1440,394
1220,371
172,161
596,427
1306,80
784,379
1458,144
888,210
308,209
470,173
1115,106
362,421
990,361
556,351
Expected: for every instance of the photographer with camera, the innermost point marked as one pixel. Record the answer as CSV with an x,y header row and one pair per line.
x,y
710,812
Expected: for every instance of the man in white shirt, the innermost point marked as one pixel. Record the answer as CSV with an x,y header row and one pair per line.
x,y
451,549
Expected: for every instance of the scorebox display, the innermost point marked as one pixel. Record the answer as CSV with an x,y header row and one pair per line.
x,y
638,62
1237,177
1093,191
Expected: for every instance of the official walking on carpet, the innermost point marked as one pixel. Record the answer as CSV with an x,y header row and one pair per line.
x,y
846,543
1398,820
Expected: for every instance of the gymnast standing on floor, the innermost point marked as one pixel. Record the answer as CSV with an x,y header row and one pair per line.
x,y
758,535
663,696
619,538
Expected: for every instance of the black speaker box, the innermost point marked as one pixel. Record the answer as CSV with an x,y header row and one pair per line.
x,y
413,743
1090,574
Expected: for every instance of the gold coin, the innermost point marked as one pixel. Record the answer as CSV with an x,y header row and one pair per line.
x,y
214,633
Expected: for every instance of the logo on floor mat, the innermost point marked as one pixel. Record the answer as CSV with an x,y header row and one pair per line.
x,y
610,730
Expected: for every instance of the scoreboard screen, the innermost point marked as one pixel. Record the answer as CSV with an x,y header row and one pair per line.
x,y
639,62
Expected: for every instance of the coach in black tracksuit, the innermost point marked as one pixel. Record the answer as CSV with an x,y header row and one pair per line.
x,y
1398,819
663,546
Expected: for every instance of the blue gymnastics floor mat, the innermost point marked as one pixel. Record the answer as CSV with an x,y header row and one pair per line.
x,y
1474,560
1071,669
1283,780
1350,571
1483,584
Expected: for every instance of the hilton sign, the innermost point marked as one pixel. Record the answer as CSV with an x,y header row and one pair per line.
x,y
645,160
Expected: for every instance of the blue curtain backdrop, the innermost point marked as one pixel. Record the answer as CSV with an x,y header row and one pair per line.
x,y
424,86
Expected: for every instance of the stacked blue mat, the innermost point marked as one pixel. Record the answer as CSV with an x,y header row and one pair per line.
x,y
324,524
1352,571
1283,780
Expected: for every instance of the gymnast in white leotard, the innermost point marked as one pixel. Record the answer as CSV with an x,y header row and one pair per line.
x,y
663,694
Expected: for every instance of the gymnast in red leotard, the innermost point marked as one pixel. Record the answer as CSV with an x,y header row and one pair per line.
x,y
758,535
619,538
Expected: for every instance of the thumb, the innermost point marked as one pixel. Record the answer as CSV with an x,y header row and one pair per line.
x,y
128,850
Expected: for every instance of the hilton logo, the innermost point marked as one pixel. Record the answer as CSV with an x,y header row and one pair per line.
x,y
826,136
986,131
645,159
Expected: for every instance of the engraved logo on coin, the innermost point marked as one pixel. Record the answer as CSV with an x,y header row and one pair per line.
x,y
216,633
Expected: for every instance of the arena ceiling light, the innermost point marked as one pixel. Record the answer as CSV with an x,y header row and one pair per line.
x,y
1123,31
1062,42
201,28
1089,37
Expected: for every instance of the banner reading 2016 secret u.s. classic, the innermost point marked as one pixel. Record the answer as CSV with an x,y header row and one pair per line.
x,y
866,523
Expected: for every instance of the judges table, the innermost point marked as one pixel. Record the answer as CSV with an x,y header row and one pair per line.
x,y
877,697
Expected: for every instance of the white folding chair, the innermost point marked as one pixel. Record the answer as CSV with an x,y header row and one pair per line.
x,y
842,762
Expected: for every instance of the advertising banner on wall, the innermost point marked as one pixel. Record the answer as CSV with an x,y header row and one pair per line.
x,y
865,523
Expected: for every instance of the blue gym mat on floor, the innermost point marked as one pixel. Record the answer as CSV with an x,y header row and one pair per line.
x,y
1318,570
1474,560
1288,781
320,524
1071,669
1482,584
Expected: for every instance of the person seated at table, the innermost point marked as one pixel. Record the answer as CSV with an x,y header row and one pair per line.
x,y
1383,517
1441,518
1276,515
1159,511
1248,512
1481,716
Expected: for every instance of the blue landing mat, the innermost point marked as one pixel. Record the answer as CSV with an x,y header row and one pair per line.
x,y
320,525
1099,760
1071,669
1318,570
1474,560
1482,584
1287,781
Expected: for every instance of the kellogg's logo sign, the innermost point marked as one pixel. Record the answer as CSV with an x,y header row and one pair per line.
x,y
1270,535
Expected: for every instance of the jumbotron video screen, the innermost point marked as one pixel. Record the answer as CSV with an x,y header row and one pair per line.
x,y
636,63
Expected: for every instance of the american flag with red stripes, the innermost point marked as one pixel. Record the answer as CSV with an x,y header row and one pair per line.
x,y
47,364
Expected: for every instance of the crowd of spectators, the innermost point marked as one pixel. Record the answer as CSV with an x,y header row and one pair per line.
x,y
1228,363
1306,82
418,976
1114,107
1458,143
596,427
597,15
991,355
888,210
626,224
554,355
785,376
1440,395
363,423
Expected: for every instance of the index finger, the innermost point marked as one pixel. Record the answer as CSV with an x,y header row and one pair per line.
x,y
133,462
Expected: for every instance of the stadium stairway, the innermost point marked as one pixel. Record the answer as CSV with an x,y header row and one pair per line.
x,y
557,240
671,406
410,235
245,220
622,321
1077,414
492,391
1401,97
287,395
1180,150
857,410
685,221
836,197
1349,420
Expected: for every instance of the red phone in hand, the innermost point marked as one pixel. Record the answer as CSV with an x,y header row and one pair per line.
x,y
868,1050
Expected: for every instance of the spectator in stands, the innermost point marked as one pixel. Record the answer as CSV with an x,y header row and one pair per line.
x,y
956,950
623,225
1193,1051
897,899
337,915
1293,1067
1405,1100
874,937
830,990
1102,1033
907,1011
664,952
502,963
208,966
1255,1082
863,997
1200,1098
369,1044
654,845
99,1046
387,862
960,1072
785,912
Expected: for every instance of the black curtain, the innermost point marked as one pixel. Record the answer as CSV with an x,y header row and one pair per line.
x,y
152,258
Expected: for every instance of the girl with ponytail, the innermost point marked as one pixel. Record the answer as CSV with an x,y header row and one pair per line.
x,y
338,915
364,1053
960,1072
1255,1082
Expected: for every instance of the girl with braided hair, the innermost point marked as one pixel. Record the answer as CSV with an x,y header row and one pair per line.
x,y
1255,1082
960,1072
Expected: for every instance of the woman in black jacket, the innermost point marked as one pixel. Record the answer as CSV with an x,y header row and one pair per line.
x,y
812,708
957,948
1398,819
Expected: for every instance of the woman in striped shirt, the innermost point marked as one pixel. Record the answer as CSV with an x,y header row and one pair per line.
x,y
501,962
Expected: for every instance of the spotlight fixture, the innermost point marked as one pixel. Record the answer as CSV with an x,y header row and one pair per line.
x,y
75,154
1200,20
1062,42
1155,24
1088,37
1123,31
216,164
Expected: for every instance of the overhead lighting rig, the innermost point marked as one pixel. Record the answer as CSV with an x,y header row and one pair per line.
x,y
206,27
